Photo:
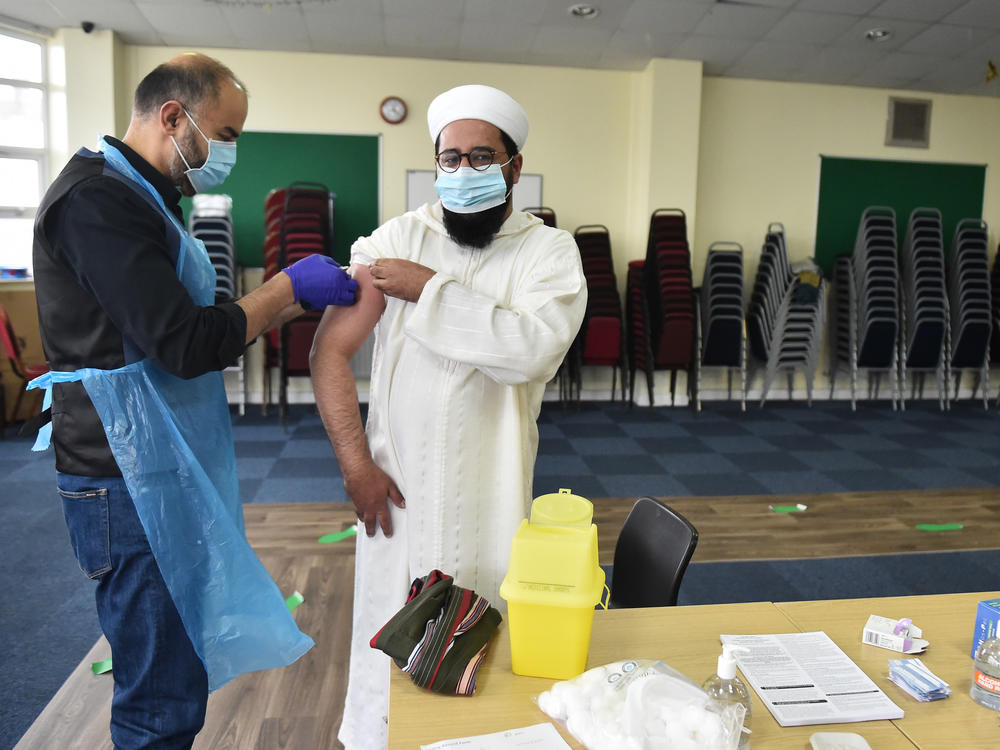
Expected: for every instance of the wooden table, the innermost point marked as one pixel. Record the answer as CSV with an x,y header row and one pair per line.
x,y
947,621
687,638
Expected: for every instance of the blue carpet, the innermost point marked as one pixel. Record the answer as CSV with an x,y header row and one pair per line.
x,y
597,450
841,577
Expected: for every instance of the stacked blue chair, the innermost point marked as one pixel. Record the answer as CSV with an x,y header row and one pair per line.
x,y
211,222
784,320
969,299
721,325
870,281
924,312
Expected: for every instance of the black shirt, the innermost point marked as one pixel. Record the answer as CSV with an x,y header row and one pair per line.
x,y
108,295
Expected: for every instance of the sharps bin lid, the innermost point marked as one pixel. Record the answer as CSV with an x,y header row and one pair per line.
x,y
554,566
562,508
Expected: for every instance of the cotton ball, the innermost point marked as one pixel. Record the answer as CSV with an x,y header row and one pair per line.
x,y
654,726
710,734
552,706
581,726
693,718
575,704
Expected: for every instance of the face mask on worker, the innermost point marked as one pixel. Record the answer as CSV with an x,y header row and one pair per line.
x,y
218,164
468,191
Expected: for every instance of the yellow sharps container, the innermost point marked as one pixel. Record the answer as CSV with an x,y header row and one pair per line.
x,y
552,585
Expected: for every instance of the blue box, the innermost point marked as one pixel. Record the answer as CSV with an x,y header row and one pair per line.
x,y
987,620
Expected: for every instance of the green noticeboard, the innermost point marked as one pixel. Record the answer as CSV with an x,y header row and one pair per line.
x,y
848,186
348,165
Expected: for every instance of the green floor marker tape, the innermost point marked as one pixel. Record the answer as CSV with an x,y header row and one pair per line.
x,y
797,508
100,667
339,536
939,526
294,600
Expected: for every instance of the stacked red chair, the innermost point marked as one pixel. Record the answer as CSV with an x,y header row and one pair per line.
x,y
298,222
670,295
640,356
601,340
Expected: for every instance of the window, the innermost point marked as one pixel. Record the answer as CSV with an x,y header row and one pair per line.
x,y
23,139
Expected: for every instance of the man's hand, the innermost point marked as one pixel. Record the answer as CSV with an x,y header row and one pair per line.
x,y
317,282
400,278
368,487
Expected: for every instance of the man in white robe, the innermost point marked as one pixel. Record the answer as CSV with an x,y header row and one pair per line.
x,y
474,306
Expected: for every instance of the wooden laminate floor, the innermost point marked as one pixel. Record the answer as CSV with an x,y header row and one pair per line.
x,y
299,707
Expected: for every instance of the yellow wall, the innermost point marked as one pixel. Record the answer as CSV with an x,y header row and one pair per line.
x,y
579,118
761,144
612,146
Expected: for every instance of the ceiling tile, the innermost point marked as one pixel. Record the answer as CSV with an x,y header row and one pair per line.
x,y
842,61
414,36
716,53
773,59
852,7
671,17
553,40
976,13
739,21
280,27
951,41
523,13
479,38
806,26
916,10
191,26
646,44
902,32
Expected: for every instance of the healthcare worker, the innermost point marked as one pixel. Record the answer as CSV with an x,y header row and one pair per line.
x,y
474,306
140,423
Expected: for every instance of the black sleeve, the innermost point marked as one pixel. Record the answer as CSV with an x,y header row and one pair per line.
x,y
115,243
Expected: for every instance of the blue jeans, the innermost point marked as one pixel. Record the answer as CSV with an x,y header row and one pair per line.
x,y
161,688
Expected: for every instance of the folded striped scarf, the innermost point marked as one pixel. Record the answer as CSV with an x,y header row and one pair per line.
x,y
441,634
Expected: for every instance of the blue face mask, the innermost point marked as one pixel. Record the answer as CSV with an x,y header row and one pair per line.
x,y
468,191
218,164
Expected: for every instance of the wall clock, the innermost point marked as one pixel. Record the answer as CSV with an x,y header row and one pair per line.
x,y
393,110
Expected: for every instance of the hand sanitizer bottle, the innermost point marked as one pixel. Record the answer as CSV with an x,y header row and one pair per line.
x,y
727,687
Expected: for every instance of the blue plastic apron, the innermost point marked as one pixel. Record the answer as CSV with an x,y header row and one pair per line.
x,y
172,439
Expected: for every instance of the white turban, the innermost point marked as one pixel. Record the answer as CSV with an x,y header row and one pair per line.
x,y
478,102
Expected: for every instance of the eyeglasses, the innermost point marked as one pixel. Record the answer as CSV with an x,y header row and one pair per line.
x,y
480,159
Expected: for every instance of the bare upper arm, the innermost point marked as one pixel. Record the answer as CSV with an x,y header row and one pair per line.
x,y
343,329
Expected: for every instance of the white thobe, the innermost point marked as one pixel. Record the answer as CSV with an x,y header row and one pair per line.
x,y
456,387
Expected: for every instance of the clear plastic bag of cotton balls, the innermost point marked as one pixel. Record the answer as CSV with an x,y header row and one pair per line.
x,y
641,704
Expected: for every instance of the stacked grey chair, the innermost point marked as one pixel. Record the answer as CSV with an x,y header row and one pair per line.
x,y
721,339
211,222
969,295
784,328
924,343
870,279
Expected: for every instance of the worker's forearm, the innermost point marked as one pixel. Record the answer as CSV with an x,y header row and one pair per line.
x,y
264,304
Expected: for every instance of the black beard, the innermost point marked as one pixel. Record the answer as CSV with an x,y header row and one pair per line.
x,y
475,230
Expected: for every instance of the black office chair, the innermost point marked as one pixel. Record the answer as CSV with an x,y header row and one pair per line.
x,y
653,550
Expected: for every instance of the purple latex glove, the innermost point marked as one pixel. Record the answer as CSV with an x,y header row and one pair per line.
x,y
317,281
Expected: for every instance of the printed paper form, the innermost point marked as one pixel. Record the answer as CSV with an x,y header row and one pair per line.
x,y
804,678
535,737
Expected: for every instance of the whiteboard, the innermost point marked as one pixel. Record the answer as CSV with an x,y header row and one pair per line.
x,y
420,189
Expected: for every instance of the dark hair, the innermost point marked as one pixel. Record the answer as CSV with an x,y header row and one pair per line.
x,y
190,79
508,143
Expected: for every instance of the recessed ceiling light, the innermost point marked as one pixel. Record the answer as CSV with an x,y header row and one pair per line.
x,y
878,34
582,10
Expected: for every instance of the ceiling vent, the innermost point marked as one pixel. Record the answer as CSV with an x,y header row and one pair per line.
x,y
909,123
